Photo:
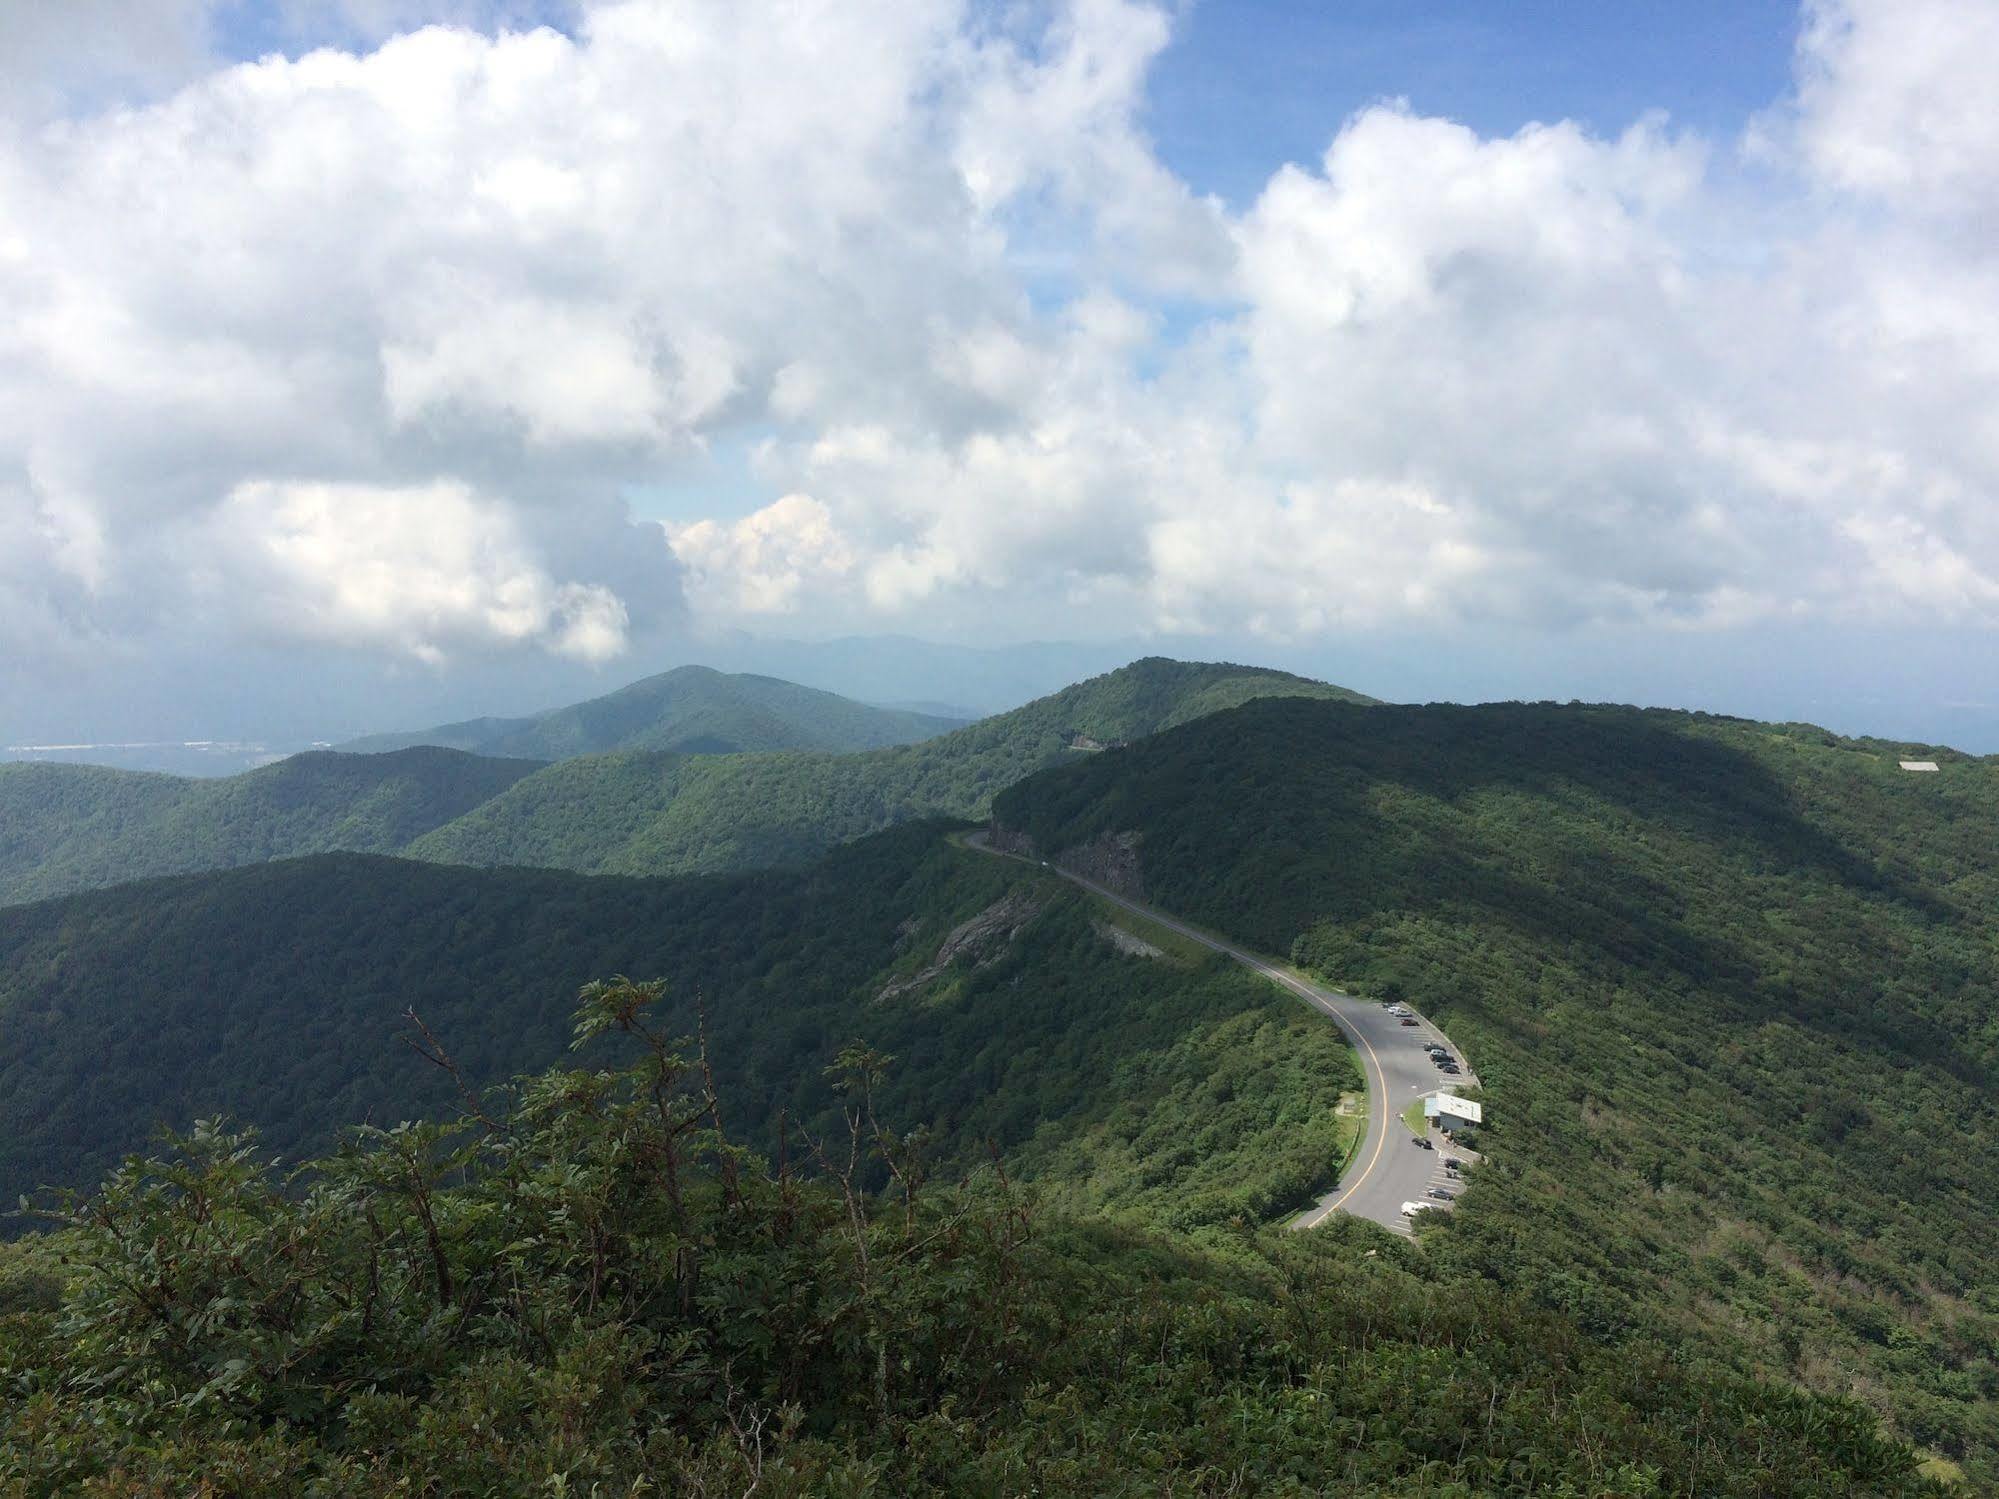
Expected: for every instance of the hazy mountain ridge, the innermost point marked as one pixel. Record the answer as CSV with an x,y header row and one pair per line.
x,y
74,827
689,710
656,814
66,828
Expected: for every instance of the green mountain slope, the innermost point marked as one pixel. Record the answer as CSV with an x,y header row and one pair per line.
x,y
592,1284
1733,990
276,994
663,814
691,710
73,827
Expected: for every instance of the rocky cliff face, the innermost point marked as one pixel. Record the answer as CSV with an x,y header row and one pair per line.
x,y
1007,841
1111,859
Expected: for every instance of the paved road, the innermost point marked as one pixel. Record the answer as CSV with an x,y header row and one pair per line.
x,y
1390,1168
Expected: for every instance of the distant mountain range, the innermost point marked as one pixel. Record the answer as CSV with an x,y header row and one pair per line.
x,y
634,811
691,710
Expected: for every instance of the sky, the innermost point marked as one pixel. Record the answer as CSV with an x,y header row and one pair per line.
x,y
371,362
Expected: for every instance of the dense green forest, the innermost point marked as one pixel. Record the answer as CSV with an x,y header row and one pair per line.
x,y
277,995
691,710
76,827
71,827
586,1285
1733,990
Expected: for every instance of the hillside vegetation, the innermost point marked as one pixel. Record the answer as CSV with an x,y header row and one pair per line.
x,y
1733,990
661,814
76,827
276,995
586,1283
691,710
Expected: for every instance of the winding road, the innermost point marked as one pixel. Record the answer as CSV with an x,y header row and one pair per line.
x,y
1389,1168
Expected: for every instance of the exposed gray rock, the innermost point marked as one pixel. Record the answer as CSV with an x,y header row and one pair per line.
x,y
984,938
1127,942
1111,859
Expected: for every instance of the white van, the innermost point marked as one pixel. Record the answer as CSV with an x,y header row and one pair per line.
x,y
1411,1209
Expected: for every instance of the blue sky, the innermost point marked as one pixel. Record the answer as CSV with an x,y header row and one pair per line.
x,y
1252,83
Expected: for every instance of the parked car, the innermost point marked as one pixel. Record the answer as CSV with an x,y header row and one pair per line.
x,y
1423,1144
1442,1196
1452,1163
1450,1069
1408,1019
1411,1209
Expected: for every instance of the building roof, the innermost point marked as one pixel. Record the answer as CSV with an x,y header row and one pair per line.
x,y
1919,765
1454,1106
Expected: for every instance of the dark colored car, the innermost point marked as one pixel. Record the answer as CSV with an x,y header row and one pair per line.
x,y
1423,1143
1441,1195
1408,1019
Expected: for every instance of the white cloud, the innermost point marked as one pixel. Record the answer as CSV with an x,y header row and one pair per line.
x,y
465,290
1894,100
418,571
764,562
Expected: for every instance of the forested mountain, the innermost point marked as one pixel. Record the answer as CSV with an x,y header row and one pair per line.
x,y
276,995
1733,990
69,827
1729,986
662,814
691,710
587,1277
74,827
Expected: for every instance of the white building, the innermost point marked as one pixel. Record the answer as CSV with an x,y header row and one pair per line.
x,y
1448,1111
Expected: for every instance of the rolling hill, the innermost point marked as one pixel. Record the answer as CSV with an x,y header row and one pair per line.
x,y
691,710
667,814
76,827
67,827
1733,990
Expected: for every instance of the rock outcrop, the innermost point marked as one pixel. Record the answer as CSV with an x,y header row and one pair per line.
x,y
1129,943
1110,859
983,938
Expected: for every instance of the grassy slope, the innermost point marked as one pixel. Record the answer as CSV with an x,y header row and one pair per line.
x,y
72,827
662,814
689,710
1733,989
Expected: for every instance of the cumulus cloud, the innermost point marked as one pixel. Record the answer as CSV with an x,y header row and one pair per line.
x,y
370,343
413,571
1894,100
765,562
